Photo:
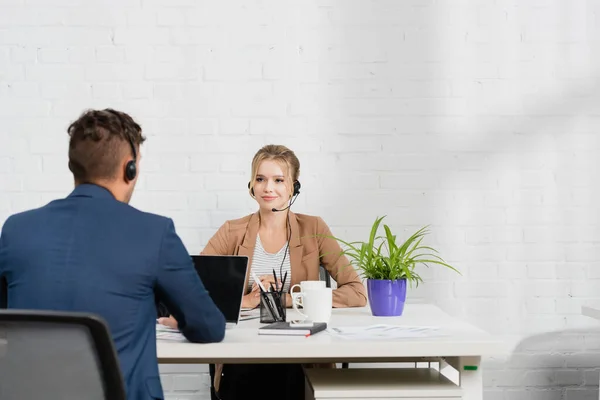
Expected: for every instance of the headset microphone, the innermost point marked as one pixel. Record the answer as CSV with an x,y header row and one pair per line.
x,y
283,209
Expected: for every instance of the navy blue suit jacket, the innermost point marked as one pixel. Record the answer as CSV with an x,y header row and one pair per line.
x,y
89,252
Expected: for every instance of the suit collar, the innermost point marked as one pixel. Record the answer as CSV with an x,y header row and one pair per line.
x,y
91,190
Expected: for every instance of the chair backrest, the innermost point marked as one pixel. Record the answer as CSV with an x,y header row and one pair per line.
x,y
57,355
324,276
3,292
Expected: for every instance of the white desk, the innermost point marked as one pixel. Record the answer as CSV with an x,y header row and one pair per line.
x,y
462,346
592,311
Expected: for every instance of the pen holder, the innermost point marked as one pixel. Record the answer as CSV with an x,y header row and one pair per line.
x,y
272,307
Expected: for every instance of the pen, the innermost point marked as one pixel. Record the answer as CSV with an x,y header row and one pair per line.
x,y
283,283
275,277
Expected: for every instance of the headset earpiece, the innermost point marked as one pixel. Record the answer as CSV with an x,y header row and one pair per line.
x,y
251,189
297,187
130,167
130,170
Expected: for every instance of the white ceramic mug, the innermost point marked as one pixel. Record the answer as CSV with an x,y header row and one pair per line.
x,y
316,303
306,285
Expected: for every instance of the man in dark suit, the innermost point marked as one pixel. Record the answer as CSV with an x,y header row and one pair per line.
x,y
93,252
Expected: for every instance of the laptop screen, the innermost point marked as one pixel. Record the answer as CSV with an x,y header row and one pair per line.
x,y
223,277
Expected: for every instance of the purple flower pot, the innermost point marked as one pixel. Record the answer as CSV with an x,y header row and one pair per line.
x,y
386,297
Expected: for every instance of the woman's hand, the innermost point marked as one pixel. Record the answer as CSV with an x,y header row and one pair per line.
x,y
266,281
251,300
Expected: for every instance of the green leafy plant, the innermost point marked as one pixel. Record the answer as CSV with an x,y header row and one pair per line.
x,y
381,257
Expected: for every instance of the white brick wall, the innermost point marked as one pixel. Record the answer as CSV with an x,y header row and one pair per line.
x,y
478,117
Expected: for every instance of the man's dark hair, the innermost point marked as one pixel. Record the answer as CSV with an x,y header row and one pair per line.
x,y
99,140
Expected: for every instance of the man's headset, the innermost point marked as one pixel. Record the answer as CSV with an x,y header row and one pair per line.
x,y
130,168
297,187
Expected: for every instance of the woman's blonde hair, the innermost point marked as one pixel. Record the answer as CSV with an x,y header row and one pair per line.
x,y
282,155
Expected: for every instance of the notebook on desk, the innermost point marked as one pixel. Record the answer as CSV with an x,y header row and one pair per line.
x,y
284,328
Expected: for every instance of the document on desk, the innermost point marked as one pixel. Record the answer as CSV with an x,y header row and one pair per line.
x,y
384,331
166,333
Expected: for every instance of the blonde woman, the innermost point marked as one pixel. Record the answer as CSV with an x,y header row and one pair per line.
x,y
293,244
263,236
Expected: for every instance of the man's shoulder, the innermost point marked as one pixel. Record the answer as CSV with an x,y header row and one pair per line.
x,y
146,216
22,218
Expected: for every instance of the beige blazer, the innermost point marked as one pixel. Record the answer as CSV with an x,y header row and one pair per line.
x,y
308,250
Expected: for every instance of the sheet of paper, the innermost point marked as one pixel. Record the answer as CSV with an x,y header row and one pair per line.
x,y
384,331
166,333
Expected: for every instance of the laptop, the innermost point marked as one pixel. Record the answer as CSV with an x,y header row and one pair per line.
x,y
224,278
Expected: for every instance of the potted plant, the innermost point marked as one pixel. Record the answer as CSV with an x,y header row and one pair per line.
x,y
388,266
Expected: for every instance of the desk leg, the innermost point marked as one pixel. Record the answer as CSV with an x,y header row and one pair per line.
x,y
471,379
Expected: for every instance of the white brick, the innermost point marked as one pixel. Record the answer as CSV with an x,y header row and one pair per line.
x,y
205,163
98,16
569,305
481,270
5,165
11,183
23,108
113,72
541,306
582,253
24,89
585,288
137,91
30,164
52,72
171,182
188,383
176,144
239,71
194,36
23,54
13,72
571,271
170,164
133,36
172,17
480,289
535,253
594,270
106,91
541,271
81,54
110,54
46,36
53,55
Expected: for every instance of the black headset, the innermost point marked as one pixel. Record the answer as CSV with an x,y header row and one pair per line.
x,y
130,168
297,187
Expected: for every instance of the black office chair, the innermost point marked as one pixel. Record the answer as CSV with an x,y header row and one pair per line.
x,y
3,292
56,356
324,276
